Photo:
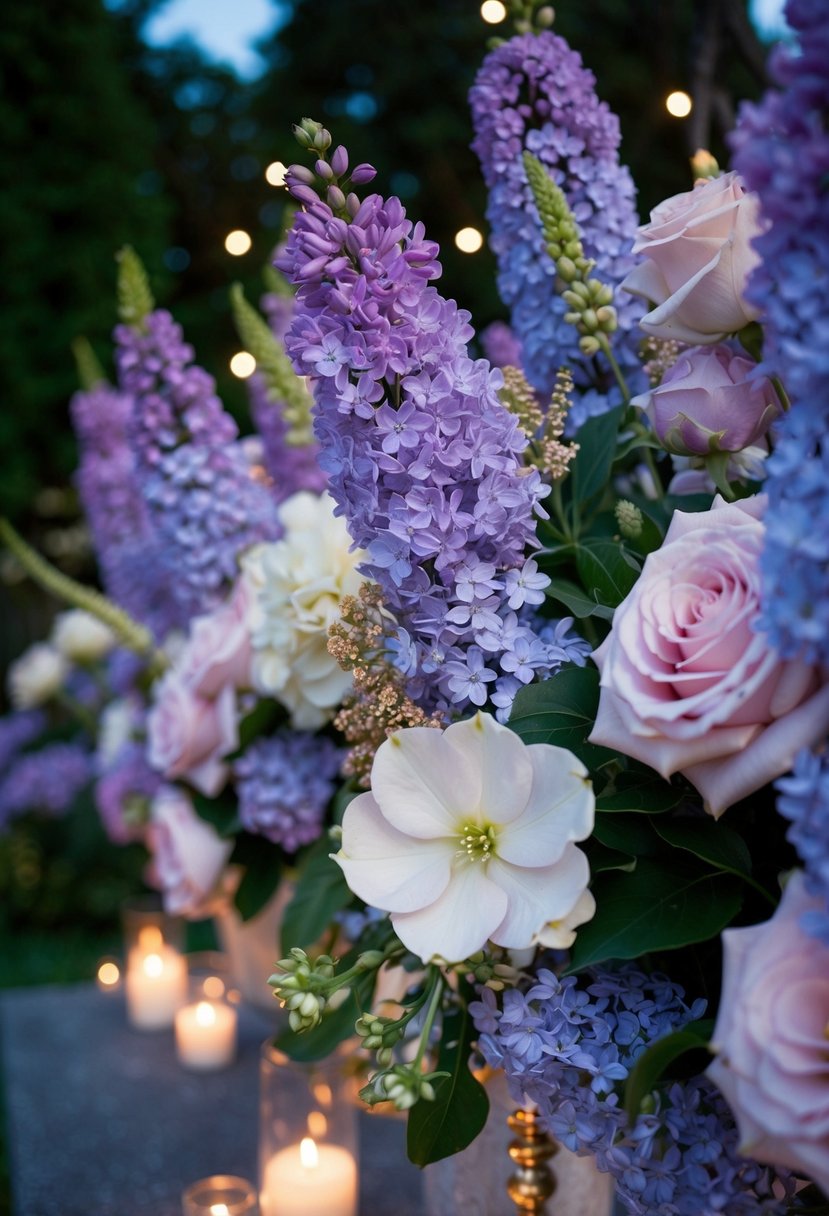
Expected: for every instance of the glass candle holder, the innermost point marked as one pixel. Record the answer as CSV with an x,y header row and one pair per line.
x,y
307,1138
156,970
221,1195
206,1027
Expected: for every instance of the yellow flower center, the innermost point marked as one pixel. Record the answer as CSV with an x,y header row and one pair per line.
x,y
477,842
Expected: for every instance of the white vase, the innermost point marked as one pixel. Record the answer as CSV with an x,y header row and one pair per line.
x,y
254,946
475,1181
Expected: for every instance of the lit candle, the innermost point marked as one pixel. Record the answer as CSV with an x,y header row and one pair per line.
x,y
156,987
206,1035
310,1180
221,1195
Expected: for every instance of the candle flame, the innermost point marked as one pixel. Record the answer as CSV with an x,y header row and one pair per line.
x,y
109,974
150,938
205,1013
308,1154
153,966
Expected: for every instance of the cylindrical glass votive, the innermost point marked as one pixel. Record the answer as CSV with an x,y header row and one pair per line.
x,y
206,1027
307,1138
221,1195
156,981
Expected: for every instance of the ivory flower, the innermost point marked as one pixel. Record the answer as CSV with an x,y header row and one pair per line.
x,y
467,837
81,637
296,585
36,676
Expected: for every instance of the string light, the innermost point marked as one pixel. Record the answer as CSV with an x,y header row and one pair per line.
x,y
275,173
243,364
493,11
469,240
678,104
238,242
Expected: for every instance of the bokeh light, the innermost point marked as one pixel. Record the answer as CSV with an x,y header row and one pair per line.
x,y
238,242
275,173
493,11
469,240
243,364
678,104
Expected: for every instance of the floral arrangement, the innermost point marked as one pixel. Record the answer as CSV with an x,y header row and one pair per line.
x,y
557,616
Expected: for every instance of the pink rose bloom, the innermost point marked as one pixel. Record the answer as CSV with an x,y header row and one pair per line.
x,y
188,735
698,255
770,1038
217,653
687,685
706,403
188,856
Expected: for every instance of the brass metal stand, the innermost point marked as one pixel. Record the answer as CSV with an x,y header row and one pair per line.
x,y
533,1183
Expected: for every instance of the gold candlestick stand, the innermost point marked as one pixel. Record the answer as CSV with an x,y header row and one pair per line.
x,y
533,1183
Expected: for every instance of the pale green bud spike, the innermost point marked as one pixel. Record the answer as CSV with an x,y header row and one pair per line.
x,y
89,369
276,283
629,519
273,364
135,300
129,632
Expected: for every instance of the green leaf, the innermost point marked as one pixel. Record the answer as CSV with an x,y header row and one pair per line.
x,y
263,718
590,471
443,1127
222,815
709,840
662,905
605,571
263,867
602,858
576,601
321,891
657,1058
627,833
640,793
562,711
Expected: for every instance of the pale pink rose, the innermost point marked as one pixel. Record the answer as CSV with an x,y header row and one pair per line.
x,y
770,1039
697,256
706,403
188,735
217,653
687,685
188,856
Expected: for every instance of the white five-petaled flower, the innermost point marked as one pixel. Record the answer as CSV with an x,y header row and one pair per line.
x,y
467,837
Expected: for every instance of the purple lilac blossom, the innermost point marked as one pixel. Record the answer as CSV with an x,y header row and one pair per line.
x,y
17,730
124,789
133,566
422,458
194,474
804,800
532,93
46,781
501,346
569,1044
781,149
291,468
284,784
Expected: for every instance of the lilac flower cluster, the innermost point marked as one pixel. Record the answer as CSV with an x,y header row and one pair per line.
x,y
782,151
804,799
123,792
423,459
532,93
47,781
568,1045
17,730
195,477
134,569
284,783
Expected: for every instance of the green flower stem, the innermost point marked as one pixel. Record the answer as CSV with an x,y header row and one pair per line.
x,y
717,464
128,632
782,394
604,343
437,986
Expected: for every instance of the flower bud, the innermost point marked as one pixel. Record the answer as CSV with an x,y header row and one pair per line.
x,y
339,161
362,174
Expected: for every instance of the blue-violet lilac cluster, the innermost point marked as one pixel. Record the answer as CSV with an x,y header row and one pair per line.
x,y
532,93
123,792
195,476
568,1045
284,783
804,799
781,149
422,458
46,781
17,730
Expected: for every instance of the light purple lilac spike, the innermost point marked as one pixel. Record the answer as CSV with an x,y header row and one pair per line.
x,y
532,93
17,730
124,788
781,149
46,781
284,784
423,459
194,474
133,566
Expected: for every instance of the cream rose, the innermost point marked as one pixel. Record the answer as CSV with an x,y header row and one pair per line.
x,y
687,685
698,255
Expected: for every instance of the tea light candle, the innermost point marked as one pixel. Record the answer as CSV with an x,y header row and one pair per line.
x,y
206,1035
221,1195
308,1179
156,987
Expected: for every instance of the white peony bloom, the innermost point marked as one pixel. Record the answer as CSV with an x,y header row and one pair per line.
x,y
467,837
80,636
296,586
36,676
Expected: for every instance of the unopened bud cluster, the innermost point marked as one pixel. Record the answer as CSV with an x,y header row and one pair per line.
x,y
303,987
590,301
482,968
629,519
402,1085
329,179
